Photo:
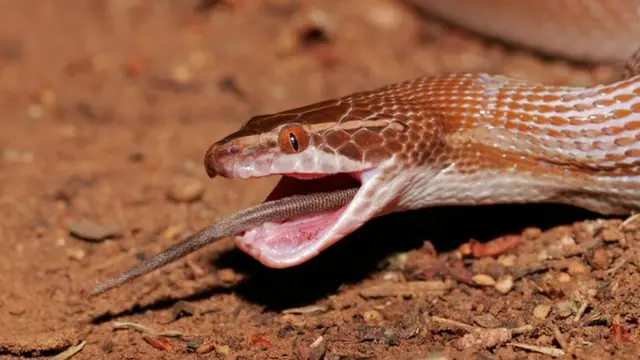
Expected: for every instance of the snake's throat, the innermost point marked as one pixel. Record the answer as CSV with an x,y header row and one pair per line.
x,y
293,241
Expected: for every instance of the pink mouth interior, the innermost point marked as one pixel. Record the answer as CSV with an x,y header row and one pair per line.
x,y
284,241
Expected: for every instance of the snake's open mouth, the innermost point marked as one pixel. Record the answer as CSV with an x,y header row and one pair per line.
x,y
291,242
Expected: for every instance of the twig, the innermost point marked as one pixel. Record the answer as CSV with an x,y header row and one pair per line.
x,y
146,330
581,311
129,325
317,342
478,336
70,351
617,265
560,339
454,323
172,334
197,270
554,352
471,328
629,220
522,329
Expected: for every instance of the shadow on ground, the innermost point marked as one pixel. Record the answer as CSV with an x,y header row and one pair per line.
x,y
353,258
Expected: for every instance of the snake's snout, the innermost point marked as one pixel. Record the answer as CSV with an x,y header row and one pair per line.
x,y
210,161
215,157
219,156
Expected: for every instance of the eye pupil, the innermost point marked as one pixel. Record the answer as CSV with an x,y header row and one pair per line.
x,y
294,141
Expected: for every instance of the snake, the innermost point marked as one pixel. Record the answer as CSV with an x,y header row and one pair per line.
x,y
445,139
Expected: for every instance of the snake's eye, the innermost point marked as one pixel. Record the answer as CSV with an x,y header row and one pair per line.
x,y
293,139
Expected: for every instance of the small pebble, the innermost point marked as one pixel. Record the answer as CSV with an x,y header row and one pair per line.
x,y
223,349
600,259
395,261
205,348
227,275
392,276
194,343
483,280
386,16
182,309
531,233
387,336
487,321
108,346
159,343
563,277
465,249
372,316
186,189
76,254
611,235
590,227
567,240
576,268
92,231
543,255
495,270
504,284
563,308
541,311
507,260
172,232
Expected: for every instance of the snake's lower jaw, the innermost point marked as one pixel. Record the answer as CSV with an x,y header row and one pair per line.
x,y
289,243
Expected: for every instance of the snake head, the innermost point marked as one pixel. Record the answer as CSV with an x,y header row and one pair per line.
x,y
329,138
354,141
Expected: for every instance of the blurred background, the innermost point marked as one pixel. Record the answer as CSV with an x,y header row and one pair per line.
x,y
108,107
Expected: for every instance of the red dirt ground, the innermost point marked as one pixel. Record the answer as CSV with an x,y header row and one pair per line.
x,y
107,109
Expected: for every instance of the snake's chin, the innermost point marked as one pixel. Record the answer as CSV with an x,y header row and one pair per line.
x,y
292,242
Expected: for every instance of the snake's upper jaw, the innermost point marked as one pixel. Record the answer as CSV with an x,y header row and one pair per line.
x,y
289,243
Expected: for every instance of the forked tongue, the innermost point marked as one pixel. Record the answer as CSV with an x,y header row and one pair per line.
x,y
269,211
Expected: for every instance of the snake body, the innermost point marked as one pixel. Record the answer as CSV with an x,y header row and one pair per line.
x,y
584,30
450,139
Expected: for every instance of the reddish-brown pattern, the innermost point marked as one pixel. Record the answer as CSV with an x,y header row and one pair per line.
x,y
466,114
472,123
